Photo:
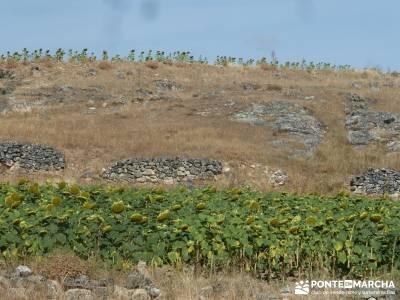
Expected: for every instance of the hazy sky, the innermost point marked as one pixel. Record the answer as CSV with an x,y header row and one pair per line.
x,y
362,33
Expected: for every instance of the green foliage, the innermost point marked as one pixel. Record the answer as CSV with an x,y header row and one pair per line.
x,y
275,232
161,56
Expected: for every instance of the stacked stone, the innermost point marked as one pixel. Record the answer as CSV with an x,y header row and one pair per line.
x,y
376,182
32,157
168,170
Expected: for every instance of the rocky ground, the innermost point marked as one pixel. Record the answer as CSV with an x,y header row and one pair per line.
x,y
23,283
365,126
304,131
270,129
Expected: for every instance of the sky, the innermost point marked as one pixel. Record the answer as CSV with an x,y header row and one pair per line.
x,y
361,33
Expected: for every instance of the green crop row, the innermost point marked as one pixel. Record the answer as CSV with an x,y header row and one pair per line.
x,y
161,56
266,232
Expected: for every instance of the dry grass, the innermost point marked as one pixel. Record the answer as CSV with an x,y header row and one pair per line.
x,y
59,266
11,63
151,64
104,65
196,121
184,283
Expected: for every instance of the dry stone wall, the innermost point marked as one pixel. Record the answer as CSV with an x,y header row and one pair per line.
x,y
166,170
31,157
376,182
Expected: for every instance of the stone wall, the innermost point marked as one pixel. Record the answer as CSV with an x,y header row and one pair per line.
x,y
32,157
376,182
166,170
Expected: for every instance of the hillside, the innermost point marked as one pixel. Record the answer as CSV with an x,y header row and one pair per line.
x,y
254,120
236,164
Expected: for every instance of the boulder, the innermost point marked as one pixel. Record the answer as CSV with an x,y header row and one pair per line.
x,y
23,271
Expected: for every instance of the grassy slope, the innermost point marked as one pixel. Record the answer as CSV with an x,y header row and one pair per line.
x,y
174,127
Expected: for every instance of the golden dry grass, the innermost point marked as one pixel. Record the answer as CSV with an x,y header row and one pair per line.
x,y
196,121
185,283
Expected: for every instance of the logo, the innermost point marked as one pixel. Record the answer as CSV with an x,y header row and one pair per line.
x,y
302,288
345,287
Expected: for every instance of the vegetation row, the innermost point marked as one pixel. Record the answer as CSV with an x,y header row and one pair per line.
x,y
84,55
272,233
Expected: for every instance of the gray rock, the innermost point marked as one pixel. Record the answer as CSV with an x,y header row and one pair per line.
x,y
6,74
167,85
149,172
153,291
79,294
36,279
31,157
163,169
248,86
23,271
376,182
364,126
54,289
278,178
121,293
7,90
138,280
286,118
92,72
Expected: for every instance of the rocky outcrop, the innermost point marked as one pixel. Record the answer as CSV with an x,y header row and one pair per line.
x,y
364,126
46,96
23,283
6,74
163,85
303,129
376,182
31,157
137,280
167,170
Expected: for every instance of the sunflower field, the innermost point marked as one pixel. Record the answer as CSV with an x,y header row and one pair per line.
x,y
239,228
